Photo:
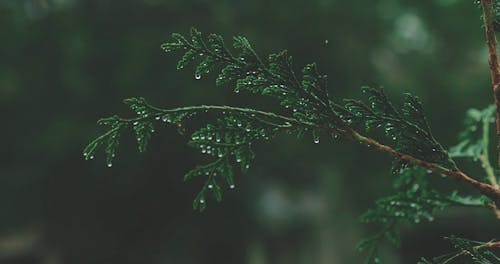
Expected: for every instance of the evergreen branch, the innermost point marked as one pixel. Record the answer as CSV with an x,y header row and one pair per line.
x,y
312,110
229,139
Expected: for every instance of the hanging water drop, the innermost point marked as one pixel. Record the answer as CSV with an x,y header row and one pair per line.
x,y
110,165
231,186
210,186
197,76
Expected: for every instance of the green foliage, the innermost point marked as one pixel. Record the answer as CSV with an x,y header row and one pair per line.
x,y
474,139
407,130
414,202
228,140
467,251
305,100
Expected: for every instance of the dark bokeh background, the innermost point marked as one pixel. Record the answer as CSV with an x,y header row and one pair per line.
x,y
66,63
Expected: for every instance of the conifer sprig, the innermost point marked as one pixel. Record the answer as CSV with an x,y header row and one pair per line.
x,y
415,202
229,138
311,108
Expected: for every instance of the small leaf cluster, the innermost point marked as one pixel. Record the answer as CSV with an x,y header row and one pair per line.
x,y
407,129
473,140
467,251
414,202
229,138
109,140
307,97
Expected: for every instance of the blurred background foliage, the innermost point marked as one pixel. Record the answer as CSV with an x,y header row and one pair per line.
x,y
66,63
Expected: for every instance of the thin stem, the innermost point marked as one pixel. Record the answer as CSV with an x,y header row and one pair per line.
x,y
484,158
221,108
485,189
491,42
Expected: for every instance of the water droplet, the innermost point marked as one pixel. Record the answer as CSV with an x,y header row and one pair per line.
x,y
197,76
157,118
91,157
202,201
136,123
210,186
110,165
231,186
238,160
326,41
316,140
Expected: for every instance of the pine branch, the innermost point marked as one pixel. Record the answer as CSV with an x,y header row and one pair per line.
x,y
229,138
312,111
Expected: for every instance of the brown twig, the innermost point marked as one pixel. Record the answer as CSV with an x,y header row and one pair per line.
x,y
486,189
491,42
